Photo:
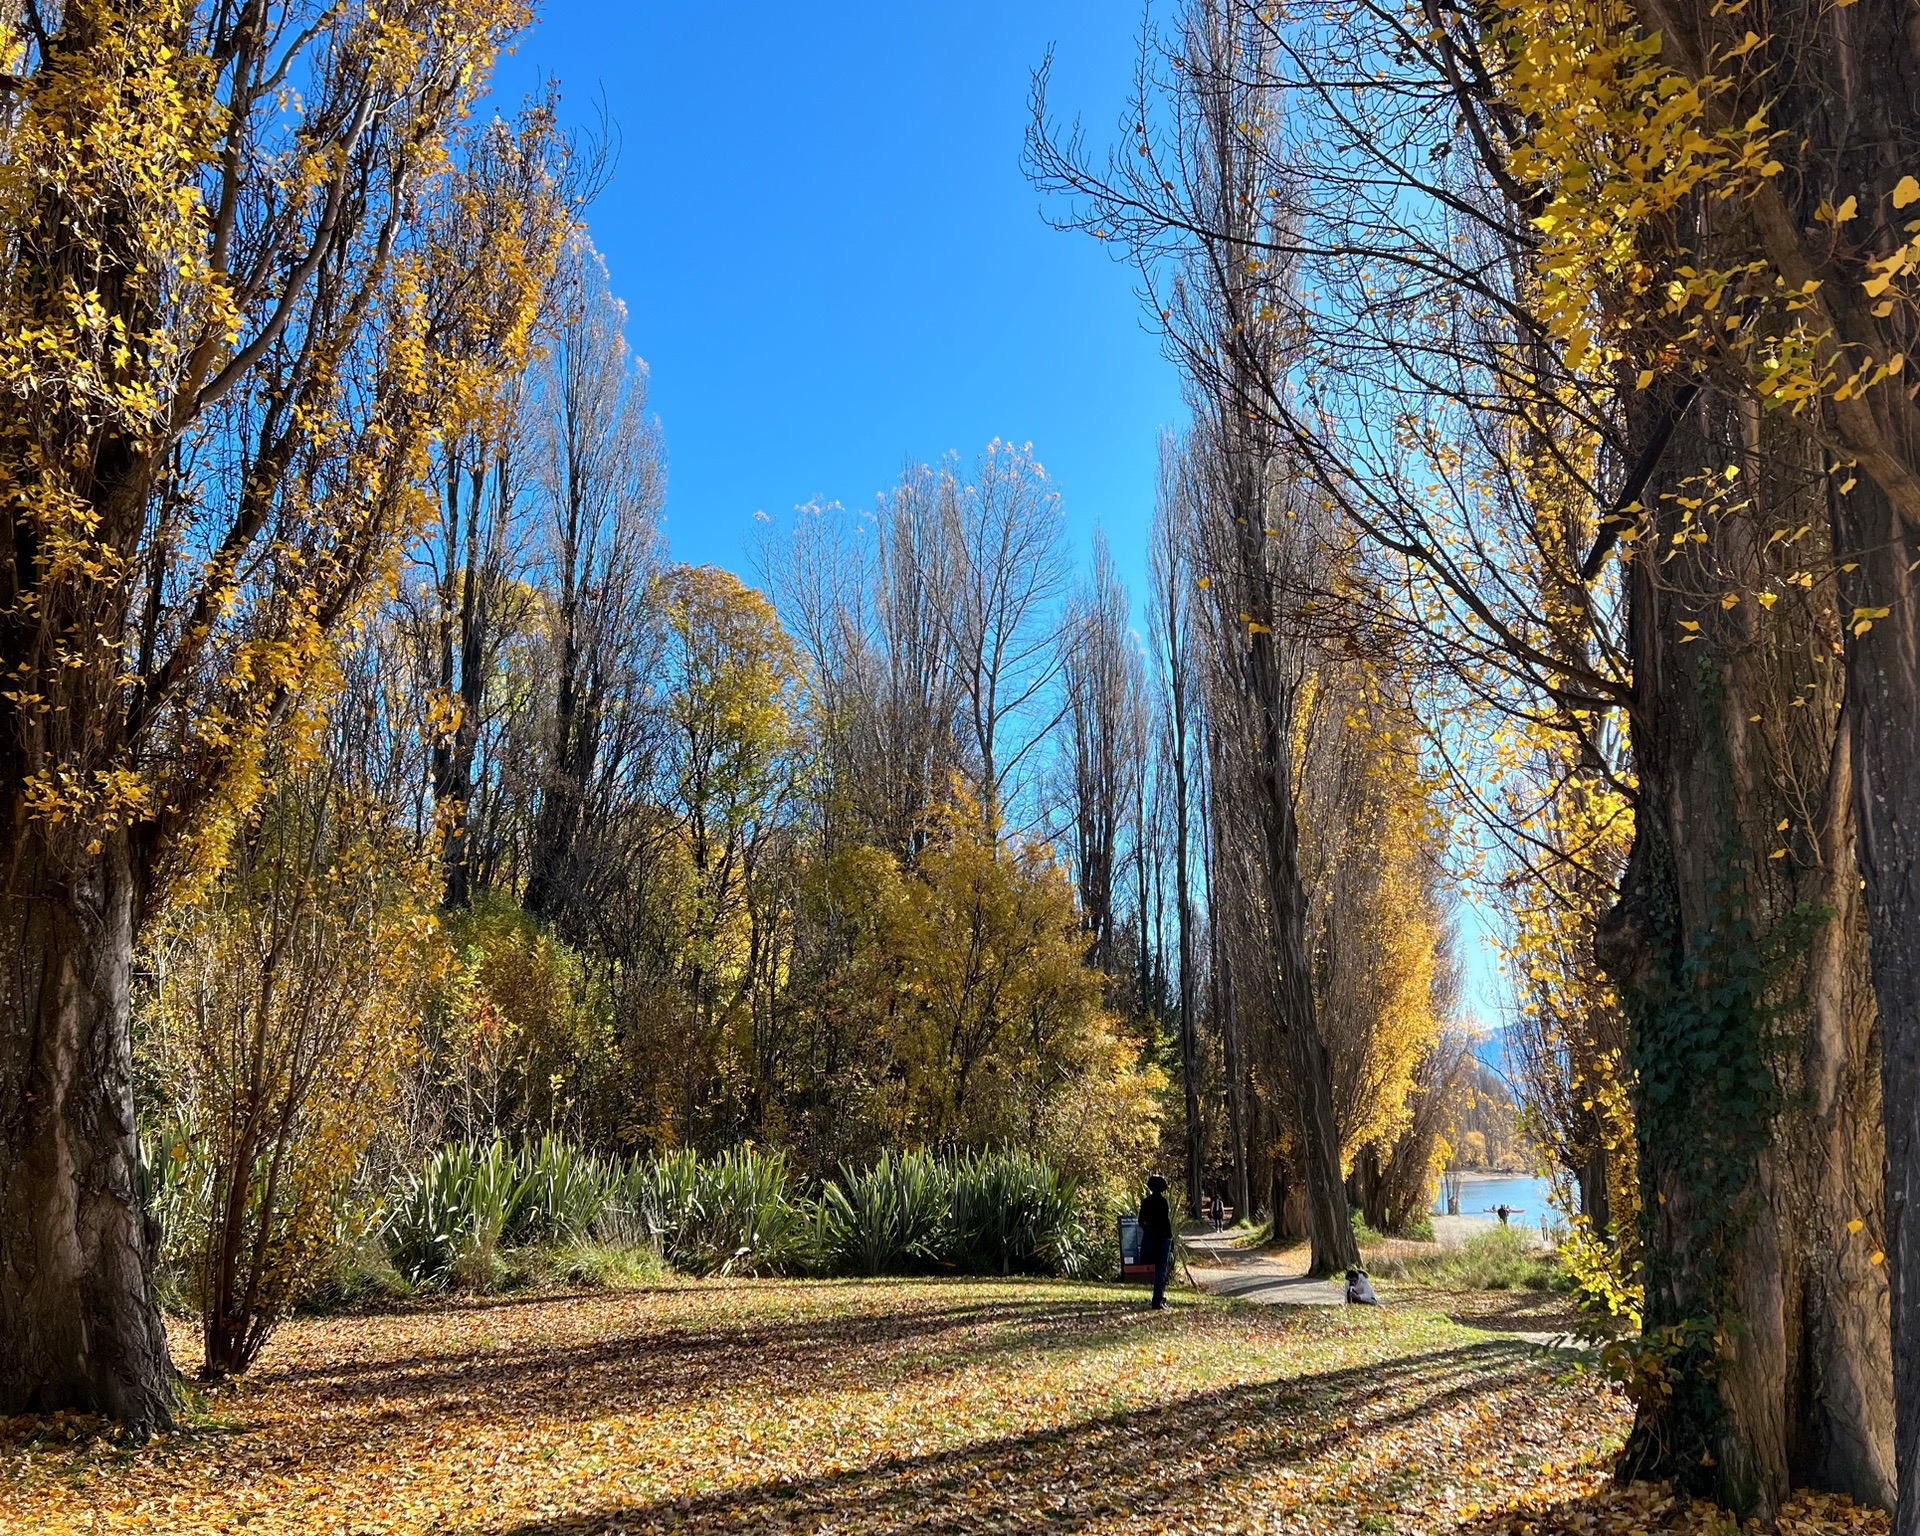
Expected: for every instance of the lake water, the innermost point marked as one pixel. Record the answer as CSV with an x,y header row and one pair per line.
x,y
1481,1192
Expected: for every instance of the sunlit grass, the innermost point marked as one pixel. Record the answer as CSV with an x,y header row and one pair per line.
x,y
844,1406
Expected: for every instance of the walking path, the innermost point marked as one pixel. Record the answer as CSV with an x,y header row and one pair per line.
x,y
1247,1274
1279,1279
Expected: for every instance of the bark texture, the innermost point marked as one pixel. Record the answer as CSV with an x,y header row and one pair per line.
x,y
1739,947
1862,110
1841,84
1330,1232
1883,677
79,1327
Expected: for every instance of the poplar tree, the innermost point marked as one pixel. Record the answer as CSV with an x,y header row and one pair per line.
x,y
225,341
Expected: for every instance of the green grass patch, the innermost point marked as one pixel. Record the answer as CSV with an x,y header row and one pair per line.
x,y
1503,1259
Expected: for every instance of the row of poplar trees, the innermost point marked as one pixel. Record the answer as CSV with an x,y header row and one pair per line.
x,y
1577,330
359,739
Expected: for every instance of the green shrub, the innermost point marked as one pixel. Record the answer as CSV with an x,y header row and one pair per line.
x,y
655,1201
729,1215
753,1227
483,1218
1010,1213
176,1186
446,1223
895,1218
559,1196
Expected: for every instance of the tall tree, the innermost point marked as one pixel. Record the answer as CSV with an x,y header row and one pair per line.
x,y
1172,572
474,554
602,479
1263,558
870,603
1008,571
1512,265
223,342
1104,767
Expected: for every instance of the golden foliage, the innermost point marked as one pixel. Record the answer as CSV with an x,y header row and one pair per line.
x,y
970,972
1628,132
217,416
284,1015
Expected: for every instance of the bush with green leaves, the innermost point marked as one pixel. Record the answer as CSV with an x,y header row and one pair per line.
x,y
1010,1214
559,1196
177,1187
894,1218
726,1215
446,1223
480,1216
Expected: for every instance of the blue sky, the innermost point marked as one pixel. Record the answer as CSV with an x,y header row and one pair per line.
x,y
831,258
832,261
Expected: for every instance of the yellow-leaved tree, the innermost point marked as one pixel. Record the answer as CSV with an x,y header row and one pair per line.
x,y
284,1016
228,335
974,964
1383,941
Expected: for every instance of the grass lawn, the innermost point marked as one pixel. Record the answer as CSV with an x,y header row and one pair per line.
x,y
893,1406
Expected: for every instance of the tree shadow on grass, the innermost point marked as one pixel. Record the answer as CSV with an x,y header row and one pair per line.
x,y
1148,1466
655,1364
676,1354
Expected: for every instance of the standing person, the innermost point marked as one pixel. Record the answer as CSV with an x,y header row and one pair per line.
x,y
1156,1236
1219,1211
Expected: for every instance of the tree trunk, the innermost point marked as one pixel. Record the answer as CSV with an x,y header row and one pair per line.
x,y
1739,950
1310,1067
1842,88
1864,127
1595,1202
1289,1204
1222,992
1189,1001
79,1326
1883,679
1367,1189
1224,1004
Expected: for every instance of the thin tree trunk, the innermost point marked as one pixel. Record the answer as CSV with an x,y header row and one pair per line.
x,y
1183,909
1329,1229
562,783
1225,1014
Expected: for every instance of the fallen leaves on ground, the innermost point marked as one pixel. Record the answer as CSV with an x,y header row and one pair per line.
x,y
1638,1509
862,1408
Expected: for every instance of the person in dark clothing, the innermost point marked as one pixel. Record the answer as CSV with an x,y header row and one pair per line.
x,y
1156,1236
1219,1212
